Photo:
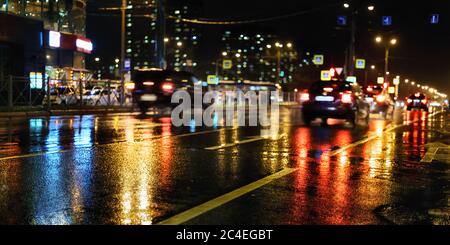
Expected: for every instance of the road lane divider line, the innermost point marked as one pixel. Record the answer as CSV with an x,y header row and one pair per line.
x,y
223,146
113,143
199,133
221,200
241,142
32,155
376,135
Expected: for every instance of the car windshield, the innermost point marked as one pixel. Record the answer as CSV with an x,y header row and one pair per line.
x,y
417,96
372,91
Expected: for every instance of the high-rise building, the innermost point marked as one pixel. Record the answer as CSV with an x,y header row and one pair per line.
x,y
182,38
255,56
141,33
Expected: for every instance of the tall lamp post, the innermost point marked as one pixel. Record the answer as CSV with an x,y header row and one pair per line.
x,y
122,52
392,42
350,66
224,54
279,47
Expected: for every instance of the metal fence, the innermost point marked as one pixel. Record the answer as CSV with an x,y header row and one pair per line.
x,y
20,92
25,93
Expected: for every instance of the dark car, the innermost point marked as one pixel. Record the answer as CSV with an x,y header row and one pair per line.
x,y
155,87
380,101
417,101
334,99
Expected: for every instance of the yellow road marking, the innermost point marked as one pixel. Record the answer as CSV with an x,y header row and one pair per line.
x,y
219,201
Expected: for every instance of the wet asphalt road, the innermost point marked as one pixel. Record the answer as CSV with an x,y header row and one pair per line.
x,y
123,169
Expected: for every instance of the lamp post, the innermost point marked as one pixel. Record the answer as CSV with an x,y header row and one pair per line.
x,y
122,52
279,47
391,42
350,66
224,54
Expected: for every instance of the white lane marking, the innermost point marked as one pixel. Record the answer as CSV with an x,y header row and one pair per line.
x,y
33,155
221,200
241,142
376,135
113,143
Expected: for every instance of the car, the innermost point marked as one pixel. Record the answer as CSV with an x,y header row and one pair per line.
x,y
417,101
63,95
380,101
334,99
103,97
155,87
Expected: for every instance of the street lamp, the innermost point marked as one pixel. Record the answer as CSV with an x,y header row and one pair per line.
x,y
268,46
179,44
238,55
289,45
351,54
97,59
378,39
372,67
224,53
392,42
166,39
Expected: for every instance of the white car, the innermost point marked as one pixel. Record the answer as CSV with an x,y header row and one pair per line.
x,y
100,97
62,96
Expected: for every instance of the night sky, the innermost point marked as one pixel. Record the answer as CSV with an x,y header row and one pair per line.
x,y
423,53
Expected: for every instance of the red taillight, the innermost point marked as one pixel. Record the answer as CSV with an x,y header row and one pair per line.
x,y
148,83
381,98
167,87
304,97
346,98
424,101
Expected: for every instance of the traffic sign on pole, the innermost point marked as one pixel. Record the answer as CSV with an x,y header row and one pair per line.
x,y
391,90
318,59
360,64
434,19
351,79
386,20
342,20
127,64
380,80
227,64
213,79
396,81
339,70
325,75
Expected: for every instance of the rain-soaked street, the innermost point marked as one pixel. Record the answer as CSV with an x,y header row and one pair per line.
x,y
124,169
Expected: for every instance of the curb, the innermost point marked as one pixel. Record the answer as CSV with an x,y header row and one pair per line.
x,y
27,114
